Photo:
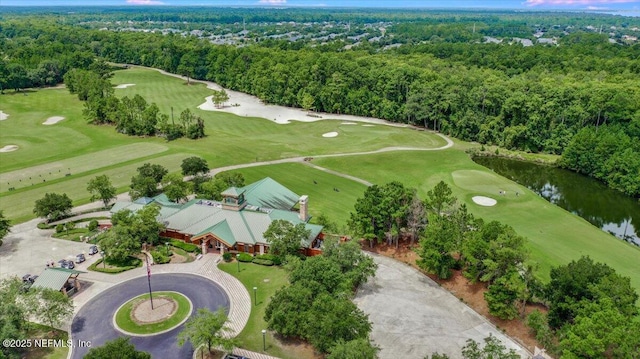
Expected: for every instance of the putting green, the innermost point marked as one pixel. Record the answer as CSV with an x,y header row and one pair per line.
x,y
136,317
485,183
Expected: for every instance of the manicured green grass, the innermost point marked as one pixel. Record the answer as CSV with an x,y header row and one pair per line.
x,y
187,257
86,150
124,321
79,164
555,236
73,235
268,280
322,197
18,205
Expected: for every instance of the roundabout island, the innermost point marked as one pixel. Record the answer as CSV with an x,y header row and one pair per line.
x,y
125,310
147,315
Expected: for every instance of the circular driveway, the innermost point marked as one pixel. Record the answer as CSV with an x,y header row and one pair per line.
x,y
94,322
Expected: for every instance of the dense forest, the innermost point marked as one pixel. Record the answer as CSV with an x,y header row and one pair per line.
x,y
580,98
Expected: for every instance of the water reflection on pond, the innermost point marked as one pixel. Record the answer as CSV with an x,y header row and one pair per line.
x,y
603,207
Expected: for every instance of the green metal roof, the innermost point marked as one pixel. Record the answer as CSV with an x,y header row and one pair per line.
x,y
268,201
232,191
270,194
222,231
163,200
54,278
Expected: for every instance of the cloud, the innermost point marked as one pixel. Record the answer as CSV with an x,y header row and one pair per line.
x,y
144,2
574,2
273,2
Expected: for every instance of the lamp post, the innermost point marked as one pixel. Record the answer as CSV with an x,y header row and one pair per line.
x,y
255,296
238,260
102,255
264,340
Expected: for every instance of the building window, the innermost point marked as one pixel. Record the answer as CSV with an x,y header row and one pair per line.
x,y
246,248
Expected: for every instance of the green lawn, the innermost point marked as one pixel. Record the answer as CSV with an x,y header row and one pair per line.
x,y
126,323
268,280
322,197
47,153
18,204
555,235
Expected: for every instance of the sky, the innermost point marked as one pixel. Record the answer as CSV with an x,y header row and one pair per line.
x,y
632,5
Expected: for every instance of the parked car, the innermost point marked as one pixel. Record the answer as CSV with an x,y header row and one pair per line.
x,y
80,258
93,250
28,278
63,263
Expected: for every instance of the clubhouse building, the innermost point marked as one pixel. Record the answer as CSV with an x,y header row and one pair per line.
x,y
238,222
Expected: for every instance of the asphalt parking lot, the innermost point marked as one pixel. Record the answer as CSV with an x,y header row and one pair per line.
x,y
414,317
27,249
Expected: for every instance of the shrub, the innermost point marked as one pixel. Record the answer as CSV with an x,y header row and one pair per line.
x,y
270,257
159,257
93,225
226,256
43,225
59,228
245,257
185,246
264,262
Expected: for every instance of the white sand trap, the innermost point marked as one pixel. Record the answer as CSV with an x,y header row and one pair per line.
x,y
8,148
484,201
348,123
3,116
368,125
330,134
53,120
124,86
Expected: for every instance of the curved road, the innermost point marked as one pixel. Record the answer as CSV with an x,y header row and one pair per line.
x,y
94,322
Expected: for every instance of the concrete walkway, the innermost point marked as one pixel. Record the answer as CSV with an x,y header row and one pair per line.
x,y
414,317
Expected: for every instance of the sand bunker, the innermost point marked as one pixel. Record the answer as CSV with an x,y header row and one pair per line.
x,y
330,134
8,148
3,116
484,201
53,120
348,123
124,86
368,125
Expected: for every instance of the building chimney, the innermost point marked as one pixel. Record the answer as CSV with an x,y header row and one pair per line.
x,y
304,209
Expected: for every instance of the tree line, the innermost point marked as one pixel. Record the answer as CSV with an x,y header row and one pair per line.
x,y
131,116
510,96
578,297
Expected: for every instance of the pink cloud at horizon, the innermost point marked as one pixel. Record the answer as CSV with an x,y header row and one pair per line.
x,y
144,2
575,2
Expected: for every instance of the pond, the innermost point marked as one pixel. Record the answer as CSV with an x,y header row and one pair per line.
x,y
608,209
